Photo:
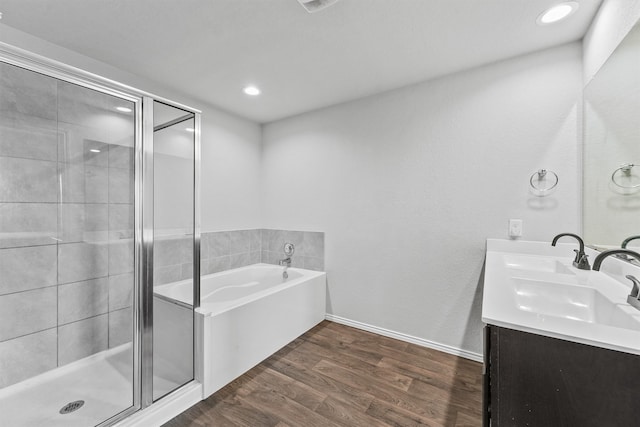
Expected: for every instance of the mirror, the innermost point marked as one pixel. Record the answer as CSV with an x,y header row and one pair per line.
x,y
611,169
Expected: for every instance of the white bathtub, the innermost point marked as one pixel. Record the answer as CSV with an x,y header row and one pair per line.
x,y
246,315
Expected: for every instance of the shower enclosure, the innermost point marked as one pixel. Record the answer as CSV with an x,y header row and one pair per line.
x,y
98,203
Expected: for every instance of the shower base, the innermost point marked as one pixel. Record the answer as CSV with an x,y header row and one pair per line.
x,y
102,381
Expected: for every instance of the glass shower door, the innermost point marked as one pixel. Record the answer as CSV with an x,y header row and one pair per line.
x,y
66,252
174,248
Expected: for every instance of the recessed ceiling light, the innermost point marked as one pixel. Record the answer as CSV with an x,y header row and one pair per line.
x,y
190,129
557,13
124,109
94,150
251,90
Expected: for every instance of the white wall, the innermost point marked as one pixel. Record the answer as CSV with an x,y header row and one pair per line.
x,y
231,146
612,22
408,185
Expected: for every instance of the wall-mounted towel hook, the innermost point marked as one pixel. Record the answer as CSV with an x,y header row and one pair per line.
x,y
543,182
625,172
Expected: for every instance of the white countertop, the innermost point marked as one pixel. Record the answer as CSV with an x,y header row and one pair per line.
x,y
504,281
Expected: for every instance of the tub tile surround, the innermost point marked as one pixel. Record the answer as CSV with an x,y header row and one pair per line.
x,y
225,250
66,224
309,248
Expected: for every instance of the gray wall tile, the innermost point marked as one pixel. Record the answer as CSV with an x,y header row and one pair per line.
x,y
28,137
96,152
27,356
96,222
121,221
82,261
121,256
27,312
72,182
274,240
27,180
76,142
28,268
238,260
218,243
28,224
81,339
268,236
167,274
187,270
120,327
60,149
239,241
120,186
172,250
204,247
97,183
83,222
120,291
80,300
80,183
27,92
215,265
309,248
269,257
255,240
121,156
254,257
311,263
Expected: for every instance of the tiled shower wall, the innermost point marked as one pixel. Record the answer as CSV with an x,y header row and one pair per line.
x,y
224,250
66,251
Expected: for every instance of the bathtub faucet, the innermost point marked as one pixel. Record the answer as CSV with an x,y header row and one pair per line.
x,y
286,263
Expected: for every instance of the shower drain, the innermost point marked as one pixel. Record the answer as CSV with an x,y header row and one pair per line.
x,y
70,407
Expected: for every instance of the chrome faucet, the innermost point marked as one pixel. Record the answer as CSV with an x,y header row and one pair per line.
x,y
288,250
634,296
626,241
580,261
286,263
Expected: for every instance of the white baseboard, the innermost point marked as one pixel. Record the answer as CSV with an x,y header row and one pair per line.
x,y
166,408
407,338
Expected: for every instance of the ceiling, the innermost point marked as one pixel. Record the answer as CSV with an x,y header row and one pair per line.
x,y
211,49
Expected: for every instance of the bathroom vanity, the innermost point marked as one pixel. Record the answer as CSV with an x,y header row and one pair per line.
x,y
562,346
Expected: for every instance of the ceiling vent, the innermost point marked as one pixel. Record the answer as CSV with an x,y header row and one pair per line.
x,y
316,5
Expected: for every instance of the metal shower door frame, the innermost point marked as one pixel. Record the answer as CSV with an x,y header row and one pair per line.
x,y
143,208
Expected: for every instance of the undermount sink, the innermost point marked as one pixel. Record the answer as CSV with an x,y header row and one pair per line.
x,y
573,302
533,287
536,263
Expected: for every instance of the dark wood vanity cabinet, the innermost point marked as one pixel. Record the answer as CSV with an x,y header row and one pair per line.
x,y
537,381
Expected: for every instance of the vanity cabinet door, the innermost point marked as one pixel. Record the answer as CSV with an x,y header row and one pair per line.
x,y
541,381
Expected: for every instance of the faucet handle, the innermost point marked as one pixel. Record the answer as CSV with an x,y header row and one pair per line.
x,y
577,258
583,262
635,290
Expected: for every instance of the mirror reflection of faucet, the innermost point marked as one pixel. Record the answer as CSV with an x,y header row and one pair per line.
x,y
626,241
634,296
580,261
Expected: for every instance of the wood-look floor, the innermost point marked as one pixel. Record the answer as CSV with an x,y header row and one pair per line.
x,y
335,375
